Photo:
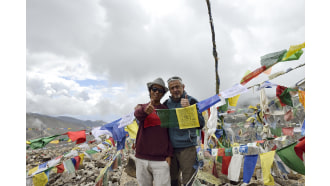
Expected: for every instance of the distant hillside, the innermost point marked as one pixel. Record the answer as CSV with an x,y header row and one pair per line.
x,y
43,122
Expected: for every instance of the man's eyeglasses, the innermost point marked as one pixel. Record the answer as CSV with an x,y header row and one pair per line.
x,y
154,89
174,78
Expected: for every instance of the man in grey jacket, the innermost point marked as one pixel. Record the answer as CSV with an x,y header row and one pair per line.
x,y
184,141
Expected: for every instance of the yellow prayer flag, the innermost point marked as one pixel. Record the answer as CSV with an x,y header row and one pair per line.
x,y
267,160
81,158
69,128
28,142
253,107
132,129
293,49
29,128
233,100
107,140
301,95
34,169
55,141
40,179
69,140
187,117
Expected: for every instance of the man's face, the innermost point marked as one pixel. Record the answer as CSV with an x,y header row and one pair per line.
x,y
176,89
155,93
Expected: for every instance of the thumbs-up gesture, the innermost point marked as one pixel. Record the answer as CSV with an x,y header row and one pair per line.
x,y
150,108
185,102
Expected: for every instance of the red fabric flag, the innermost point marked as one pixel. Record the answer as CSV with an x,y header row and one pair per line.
x,y
214,170
60,168
225,164
100,182
287,131
91,141
77,158
253,74
221,152
300,148
152,120
202,134
79,136
279,91
112,141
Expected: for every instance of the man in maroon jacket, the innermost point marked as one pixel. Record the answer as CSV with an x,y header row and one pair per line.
x,y
153,146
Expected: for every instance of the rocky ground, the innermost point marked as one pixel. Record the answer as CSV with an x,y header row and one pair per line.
x,y
125,173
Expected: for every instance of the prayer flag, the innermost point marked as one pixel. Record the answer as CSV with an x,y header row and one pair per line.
x,y
118,133
224,107
276,132
290,158
132,129
287,131
234,91
167,118
33,170
187,117
41,142
233,100
121,143
126,120
152,120
300,148
293,49
214,170
225,164
267,160
78,136
250,162
301,95
68,165
234,168
109,126
294,56
55,141
303,129
270,59
207,103
81,158
40,179
96,132
77,160
252,75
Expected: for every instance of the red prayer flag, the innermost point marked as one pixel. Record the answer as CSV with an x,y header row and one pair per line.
x,y
300,149
221,152
77,158
225,164
60,168
152,120
252,75
214,170
112,141
79,136
279,91
287,131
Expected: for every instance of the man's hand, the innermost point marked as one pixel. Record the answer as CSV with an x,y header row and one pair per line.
x,y
185,102
168,160
150,108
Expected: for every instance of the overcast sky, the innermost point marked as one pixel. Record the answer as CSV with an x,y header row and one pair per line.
x,y
92,59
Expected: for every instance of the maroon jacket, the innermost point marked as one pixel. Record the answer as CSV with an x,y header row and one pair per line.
x,y
152,143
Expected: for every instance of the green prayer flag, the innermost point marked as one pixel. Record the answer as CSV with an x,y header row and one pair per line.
x,y
276,132
41,142
270,59
168,118
294,56
219,159
68,165
90,151
286,97
290,158
228,151
224,107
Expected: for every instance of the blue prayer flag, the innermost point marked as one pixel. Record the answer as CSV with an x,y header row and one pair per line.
x,y
303,129
109,126
121,144
207,103
250,162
